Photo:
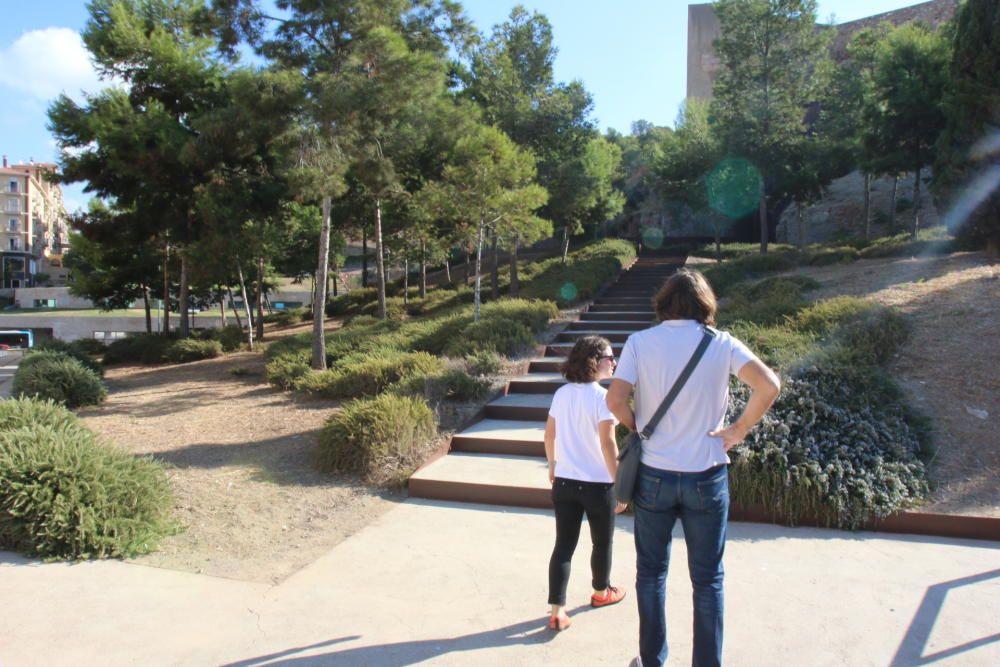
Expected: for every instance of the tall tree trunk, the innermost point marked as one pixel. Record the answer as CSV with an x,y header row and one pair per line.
x,y
515,283
447,270
892,204
763,218
867,210
222,308
916,204
184,298
260,298
380,259
336,275
800,215
479,263
232,304
565,243
406,281
318,361
495,258
246,302
364,257
423,269
166,289
145,306
385,267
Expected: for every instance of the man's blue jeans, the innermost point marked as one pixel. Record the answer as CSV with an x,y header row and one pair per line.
x,y
701,501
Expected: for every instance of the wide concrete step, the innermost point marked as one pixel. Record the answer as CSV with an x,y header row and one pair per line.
x,y
545,365
494,479
615,307
541,383
562,349
502,436
634,316
520,407
609,325
611,335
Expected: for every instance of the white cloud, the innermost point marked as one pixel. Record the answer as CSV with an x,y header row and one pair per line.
x,y
44,63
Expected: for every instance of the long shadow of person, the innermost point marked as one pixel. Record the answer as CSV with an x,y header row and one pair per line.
x,y
402,654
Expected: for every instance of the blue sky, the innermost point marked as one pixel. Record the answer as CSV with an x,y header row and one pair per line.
x,y
630,54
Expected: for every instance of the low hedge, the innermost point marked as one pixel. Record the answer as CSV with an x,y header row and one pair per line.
x,y
367,375
383,439
143,348
585,271
146,348
65,494
57,377
189,349
81,350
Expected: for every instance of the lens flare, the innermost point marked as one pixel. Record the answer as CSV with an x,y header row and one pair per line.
x,y
652,237
734,187
568,292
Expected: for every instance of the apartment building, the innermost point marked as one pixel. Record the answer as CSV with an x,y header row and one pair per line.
x,y
33,229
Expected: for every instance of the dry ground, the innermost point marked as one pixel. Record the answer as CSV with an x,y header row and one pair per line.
x,y
255,509
949,367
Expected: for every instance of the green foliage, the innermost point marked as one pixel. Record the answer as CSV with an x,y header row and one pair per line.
x,y
351,303
725,275
502,336
395,309
928,242
768,301
971,111
834,255
585,271
140,348
189,349
367,374
231,337
383,438
239,371
484,362
65,494
828,449
58,377
78,349
288,316
284,370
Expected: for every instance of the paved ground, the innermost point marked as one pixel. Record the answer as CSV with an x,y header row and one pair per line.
x,y
9,359
445,584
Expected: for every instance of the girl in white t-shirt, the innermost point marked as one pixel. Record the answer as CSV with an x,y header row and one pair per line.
x,y
583,456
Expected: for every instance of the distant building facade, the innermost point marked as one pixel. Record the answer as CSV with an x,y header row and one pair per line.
x,y
33,227
704,29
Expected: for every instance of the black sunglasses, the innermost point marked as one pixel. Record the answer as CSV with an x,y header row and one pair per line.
x,y
606,356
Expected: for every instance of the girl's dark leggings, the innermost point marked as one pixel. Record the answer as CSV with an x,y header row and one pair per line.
x,y
572,499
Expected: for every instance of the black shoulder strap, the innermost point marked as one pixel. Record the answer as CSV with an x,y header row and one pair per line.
x,y
679,384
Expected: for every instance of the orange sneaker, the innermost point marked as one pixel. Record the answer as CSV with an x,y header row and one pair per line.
x,y
611,596
558,624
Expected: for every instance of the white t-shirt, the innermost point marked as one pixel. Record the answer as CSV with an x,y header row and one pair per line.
x,y
651,361
577,408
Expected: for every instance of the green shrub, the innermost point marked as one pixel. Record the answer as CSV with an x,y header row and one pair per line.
x,y
143,348
870,339
239,371
361,321
367,374
585,271
89,346
231,337
823,316
484,362
505,337
836,255
57,377
769,301
734,250
394,309
351,302
824,450
74,350
284,370
64,494
382,439
189,349
288,316
779,346
22,412
534,315
450,385
932,241
724,276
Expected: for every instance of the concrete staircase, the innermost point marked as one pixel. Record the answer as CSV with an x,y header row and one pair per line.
x,y
501,459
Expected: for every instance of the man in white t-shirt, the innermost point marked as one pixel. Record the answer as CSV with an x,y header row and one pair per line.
x,y
683,472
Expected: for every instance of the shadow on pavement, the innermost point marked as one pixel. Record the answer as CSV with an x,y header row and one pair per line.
x,y
911,649
409,653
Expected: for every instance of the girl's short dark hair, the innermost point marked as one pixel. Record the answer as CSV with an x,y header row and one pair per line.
x,y
686,296
581,364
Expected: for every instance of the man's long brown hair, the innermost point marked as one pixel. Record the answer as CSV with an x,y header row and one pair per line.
x,y
686,296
